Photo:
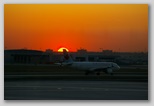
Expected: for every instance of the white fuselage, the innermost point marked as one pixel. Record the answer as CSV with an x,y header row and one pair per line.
x,y
107,67
94,65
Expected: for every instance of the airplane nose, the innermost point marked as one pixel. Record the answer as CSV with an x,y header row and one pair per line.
x,y
118,67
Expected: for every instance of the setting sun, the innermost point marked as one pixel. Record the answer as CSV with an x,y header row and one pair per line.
x,y
61,49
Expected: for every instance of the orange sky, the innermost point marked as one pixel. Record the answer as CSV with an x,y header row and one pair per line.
x,y
90,26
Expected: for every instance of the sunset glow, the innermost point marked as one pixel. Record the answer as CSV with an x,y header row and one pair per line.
x,y
117,27
61,49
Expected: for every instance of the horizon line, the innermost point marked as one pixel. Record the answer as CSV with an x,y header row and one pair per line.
x,y
81,49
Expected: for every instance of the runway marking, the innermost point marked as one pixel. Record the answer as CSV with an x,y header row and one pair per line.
x,y
108,90
34,75
58,85
74,88
59,88
91,82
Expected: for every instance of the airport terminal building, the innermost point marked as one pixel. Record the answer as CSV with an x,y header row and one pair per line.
x,y
24,56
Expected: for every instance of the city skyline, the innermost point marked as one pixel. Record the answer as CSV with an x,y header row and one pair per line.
x,y
117,27
77,50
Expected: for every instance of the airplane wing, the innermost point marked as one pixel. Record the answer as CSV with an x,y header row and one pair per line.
x,y
101,68
97,69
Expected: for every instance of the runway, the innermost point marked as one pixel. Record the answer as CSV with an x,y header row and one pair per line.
x,y
74,90
63,83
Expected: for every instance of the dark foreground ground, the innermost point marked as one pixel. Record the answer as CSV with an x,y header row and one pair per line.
x,y
62,83
75,90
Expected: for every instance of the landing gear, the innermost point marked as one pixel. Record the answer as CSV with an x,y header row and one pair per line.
x,y
98,73
91,72
111,74
87,72
106,72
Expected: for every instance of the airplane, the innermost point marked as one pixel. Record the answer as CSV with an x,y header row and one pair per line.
x,y
89,67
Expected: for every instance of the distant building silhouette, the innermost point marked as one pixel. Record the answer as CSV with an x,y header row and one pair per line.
x,y
24,56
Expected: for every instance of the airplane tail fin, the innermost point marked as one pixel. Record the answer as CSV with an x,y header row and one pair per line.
x,y
67,57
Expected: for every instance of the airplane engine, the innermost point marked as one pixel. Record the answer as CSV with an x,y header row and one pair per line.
x,y
109,71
